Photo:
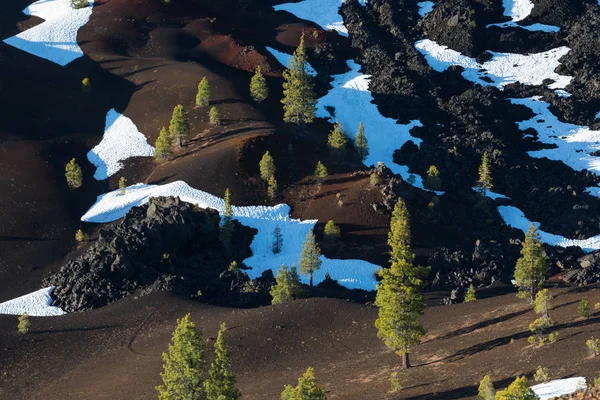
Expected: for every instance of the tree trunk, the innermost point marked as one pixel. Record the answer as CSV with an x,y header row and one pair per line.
x,y
311,281
405,361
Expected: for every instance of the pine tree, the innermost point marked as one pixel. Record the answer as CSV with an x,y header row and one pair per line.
x,y
320,171
80,236
299,98
183,364
398,298
531,267
361,143
542,308
272,188
227,223
310,257
486,389
433,180
122,185
203,95
163,145
277,240
471,294
73,174
583,309
337,139
267,167
86,85
307,388
24,324
179,127
484,184
287,285
214,116
331,230
258,86
518,390
220,384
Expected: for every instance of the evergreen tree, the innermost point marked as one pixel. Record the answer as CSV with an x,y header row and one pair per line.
x,y
518,390
220,384
486,389
179,127
310,257
80,236
542,308
227,222
531,267
471,294
484,183
433,180
331,230
214,116
203,95
73,174
307,388
122,185
267,167
321,171
86,85
277,240
361,143
24,324
287,285
299,98
337,139
583,309
258,86
163,145
183,364
398,298
272,188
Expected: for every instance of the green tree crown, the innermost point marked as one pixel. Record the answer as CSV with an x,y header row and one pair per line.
x,y
221,382
73,174
203,95
310,257
267,166
179,128
258,86
163,145
361,143
307,388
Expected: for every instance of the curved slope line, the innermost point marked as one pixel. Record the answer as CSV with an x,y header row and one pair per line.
x,y
36,304
121,141
503,69
353,274
55,39
284,59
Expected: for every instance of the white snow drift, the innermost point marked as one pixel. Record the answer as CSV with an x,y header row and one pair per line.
x,y
36,304
121,141
573,143
425,7
502,69
518,10
284,59
55,39
322,12
559,387
353,274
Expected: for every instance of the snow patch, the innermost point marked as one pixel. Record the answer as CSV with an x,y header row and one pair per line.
x,y
353,274
503,69
563,93
515,218
284,59
598,115
559,387
36,304
55,39
425,7
121,141
518,10
492,195
574,143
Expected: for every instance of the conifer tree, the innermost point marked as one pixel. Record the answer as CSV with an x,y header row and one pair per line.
x,y
73,174
277,240
398,298
203,95
310,257
320,171
484,183
486,389
122,185
80,236
258,86
220,384
227,223
163,145
361,143
179,127
214,116
86,85
24,324
531,267
299,98
542,308
337,139
518,390
331,230
183,364
272,188
471,294
433,180
583,309
307,388
267,167
287,285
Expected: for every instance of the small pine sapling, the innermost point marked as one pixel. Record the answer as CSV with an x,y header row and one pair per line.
x,y
86,85
163,145
73,174
331,231
272,188
80,236
277,240
267,167
593,345
433,178
258,86
361,143
374,179
395,385
24,324
486,389
123,185
471,294
583,309
541,375
203,95
320,172
214,116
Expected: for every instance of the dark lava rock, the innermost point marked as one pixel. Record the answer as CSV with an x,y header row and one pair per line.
x,y
166,244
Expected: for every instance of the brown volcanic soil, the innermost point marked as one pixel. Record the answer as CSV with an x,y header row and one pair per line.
x,y
114,352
